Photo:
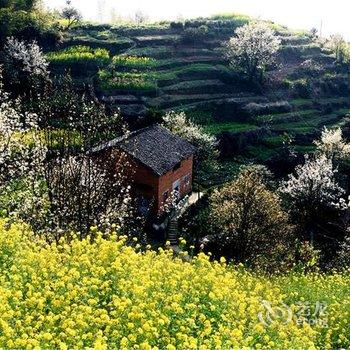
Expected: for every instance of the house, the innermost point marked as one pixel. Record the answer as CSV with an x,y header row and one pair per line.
x,y
161,165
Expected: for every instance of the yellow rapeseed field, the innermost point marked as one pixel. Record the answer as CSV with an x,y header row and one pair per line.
x,y
107,295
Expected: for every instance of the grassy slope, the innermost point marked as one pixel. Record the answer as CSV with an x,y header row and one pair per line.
x,y
107,295
195,78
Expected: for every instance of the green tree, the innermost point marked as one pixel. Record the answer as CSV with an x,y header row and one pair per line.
x,y
250,220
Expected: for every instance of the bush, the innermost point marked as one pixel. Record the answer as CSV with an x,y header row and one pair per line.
x,y
194,34
177,25
302,88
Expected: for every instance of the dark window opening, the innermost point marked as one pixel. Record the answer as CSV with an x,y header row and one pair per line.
x,y
177,166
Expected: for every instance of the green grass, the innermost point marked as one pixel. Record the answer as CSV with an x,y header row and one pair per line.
x,y
133,62
262,154
301,102
125,81
154,52
308,125
287,117
215,129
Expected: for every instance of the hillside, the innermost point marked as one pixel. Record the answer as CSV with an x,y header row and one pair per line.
x,y
182,68
105,295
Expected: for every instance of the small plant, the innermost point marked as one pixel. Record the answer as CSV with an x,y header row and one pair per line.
x,y
133,62
79,55
127,81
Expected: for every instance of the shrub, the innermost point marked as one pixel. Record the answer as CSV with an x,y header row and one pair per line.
x,y
193,35
177,25
302,88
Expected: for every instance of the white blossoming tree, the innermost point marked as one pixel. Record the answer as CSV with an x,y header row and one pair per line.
x,y
313,184
51,185
22,156
25,64
333,145
206,145
253,48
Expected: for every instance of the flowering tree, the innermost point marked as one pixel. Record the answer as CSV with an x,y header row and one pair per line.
x,y
332,144
313,184
253,47
22,156
28,57
25,64
206,145
83,194
49,182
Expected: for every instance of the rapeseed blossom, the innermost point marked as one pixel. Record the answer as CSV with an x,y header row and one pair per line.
x,y
102,294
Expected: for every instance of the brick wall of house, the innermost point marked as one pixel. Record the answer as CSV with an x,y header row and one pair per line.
x,y
146,183
183,174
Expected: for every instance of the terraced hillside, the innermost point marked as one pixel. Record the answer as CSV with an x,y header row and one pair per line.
x,y
176,66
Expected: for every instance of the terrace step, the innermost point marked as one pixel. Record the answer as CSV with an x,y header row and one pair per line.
x,y
121,99
168,101
131,110
178,62
196,87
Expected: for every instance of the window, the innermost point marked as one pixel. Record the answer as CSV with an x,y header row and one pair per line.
x,y
165,196
187,180
177,166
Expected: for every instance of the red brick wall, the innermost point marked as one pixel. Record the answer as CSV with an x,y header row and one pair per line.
x,y
138,174
167,180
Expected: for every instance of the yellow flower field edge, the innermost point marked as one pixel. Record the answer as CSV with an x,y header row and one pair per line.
x,y
107,295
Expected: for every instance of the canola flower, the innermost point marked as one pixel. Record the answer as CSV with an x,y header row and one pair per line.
x,y
103,294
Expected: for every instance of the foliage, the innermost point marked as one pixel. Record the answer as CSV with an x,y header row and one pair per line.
x,y
19,5
70,14
340,48
194,34
79,55
128,81
253,48
29,26
250,221
132,62
102,294
343,258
